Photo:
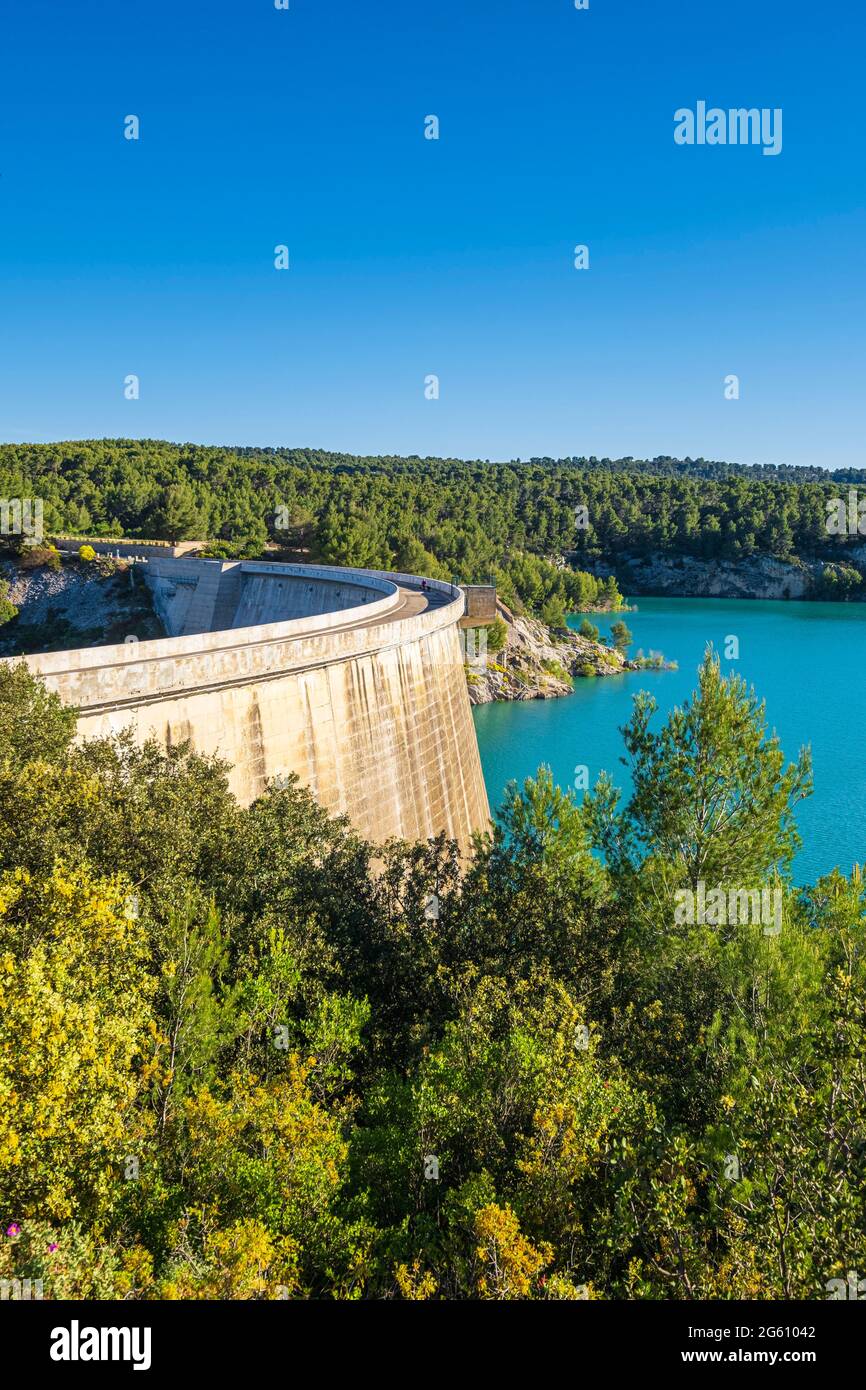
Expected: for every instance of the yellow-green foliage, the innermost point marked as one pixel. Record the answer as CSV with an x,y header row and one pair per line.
x,y
242,1261
77,1039
265,1148
510,1265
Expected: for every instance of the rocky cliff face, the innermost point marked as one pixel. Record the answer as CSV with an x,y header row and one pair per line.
x,y
76,606
760,576
537,664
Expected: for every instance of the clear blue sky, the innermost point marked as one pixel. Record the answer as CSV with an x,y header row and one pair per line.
x,y
454,257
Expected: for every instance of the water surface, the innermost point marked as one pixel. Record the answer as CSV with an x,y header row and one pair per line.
x,y
806,660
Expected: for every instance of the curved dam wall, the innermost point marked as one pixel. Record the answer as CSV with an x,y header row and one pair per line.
x,y
214,595
363,695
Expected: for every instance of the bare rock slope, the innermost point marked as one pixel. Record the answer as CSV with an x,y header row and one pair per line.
x,y
539,664
76,606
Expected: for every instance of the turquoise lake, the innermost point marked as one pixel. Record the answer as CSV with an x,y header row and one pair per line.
x,y
807,661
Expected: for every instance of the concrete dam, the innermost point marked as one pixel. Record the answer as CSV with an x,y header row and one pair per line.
x,y
352,679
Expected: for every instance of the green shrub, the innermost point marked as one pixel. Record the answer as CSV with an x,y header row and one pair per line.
x,y
553,612
8,611
36,557
621,637
497,635
218,550
557,670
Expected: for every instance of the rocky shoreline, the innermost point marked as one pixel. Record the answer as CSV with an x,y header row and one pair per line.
x,y
758,577
537,663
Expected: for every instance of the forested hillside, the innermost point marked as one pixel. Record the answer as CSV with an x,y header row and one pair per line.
x,y
237,1063
477,520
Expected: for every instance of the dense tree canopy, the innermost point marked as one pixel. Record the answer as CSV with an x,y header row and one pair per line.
x,y
239,1057
512,522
